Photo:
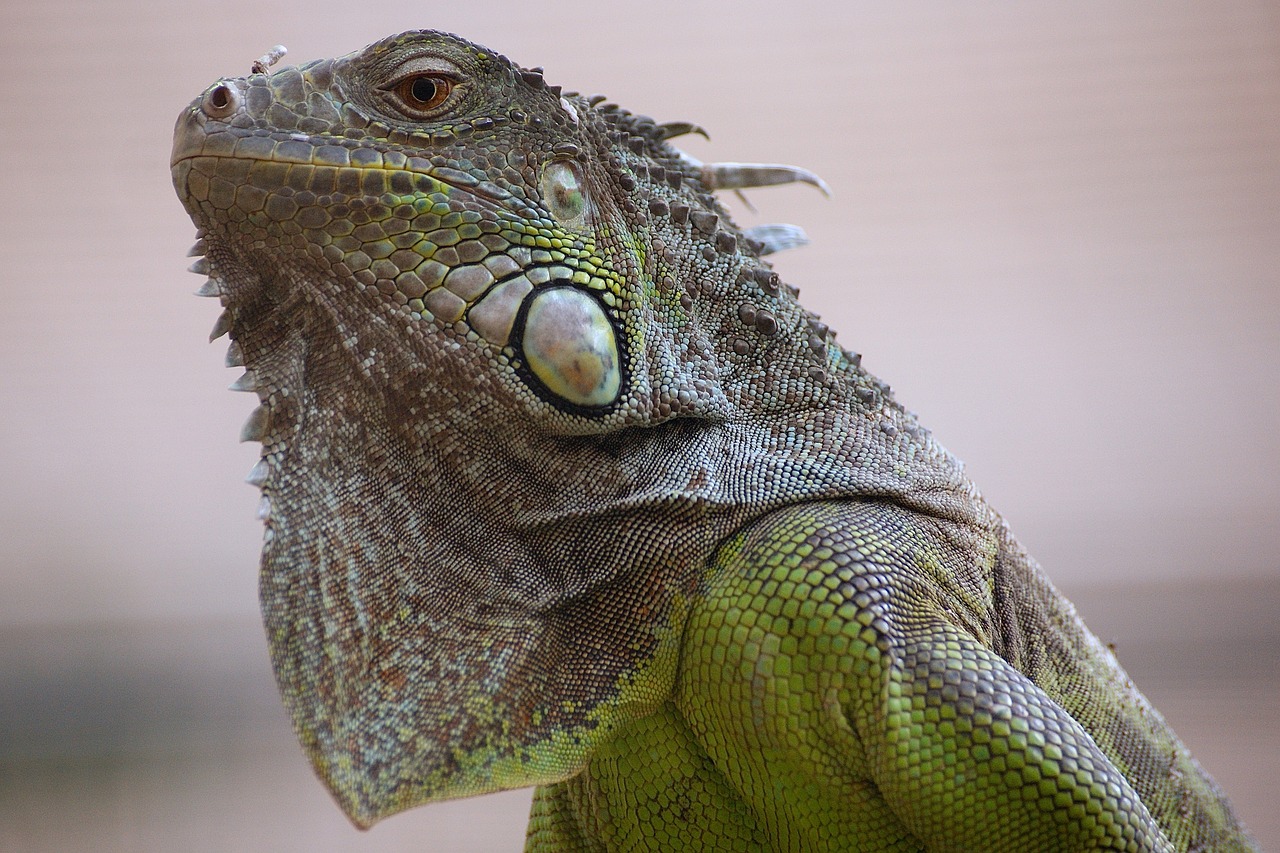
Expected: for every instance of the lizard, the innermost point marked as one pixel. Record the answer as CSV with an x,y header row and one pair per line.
x,y
562,486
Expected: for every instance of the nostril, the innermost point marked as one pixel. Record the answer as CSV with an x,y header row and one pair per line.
x,y
220,101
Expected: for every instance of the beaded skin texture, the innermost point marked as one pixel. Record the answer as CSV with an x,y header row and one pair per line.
x,y
562,486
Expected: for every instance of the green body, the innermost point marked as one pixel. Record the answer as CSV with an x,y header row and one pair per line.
x,y
562,486
840,690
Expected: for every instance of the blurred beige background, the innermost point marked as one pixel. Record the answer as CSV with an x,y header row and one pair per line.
x,y
1055,231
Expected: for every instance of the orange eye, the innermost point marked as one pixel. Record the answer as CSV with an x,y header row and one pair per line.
x,y
423,93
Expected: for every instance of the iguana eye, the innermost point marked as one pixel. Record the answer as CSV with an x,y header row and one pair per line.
x,y
421,95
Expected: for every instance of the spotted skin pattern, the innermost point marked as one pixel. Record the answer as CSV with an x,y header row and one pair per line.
x,y
562,486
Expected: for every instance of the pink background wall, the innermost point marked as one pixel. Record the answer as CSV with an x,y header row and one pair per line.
x,y
1055,232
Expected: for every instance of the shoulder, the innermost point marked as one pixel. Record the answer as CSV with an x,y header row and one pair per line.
x,y
800,613
814,596
832,559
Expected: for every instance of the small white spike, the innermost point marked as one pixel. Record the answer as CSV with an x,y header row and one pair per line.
x,y
268,59
264,508
255,427
209,288
258,474
198,249
568,108
246,382
221,326
235,355
777,237
200,266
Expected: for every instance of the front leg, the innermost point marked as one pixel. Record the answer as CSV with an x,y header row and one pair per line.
x,y
836,676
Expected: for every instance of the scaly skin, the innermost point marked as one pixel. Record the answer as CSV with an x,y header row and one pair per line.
x,y
561,486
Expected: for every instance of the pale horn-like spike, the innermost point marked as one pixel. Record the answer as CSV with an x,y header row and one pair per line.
x,y
258,474
255,428
738,176
221,326
777,237
247,382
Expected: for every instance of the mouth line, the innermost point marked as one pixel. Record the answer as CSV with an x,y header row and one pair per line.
x,y
412,165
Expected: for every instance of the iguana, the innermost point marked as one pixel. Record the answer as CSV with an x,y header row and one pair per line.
x,y
562,486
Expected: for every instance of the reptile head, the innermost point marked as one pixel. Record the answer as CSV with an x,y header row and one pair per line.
x,y
430,195
491,326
